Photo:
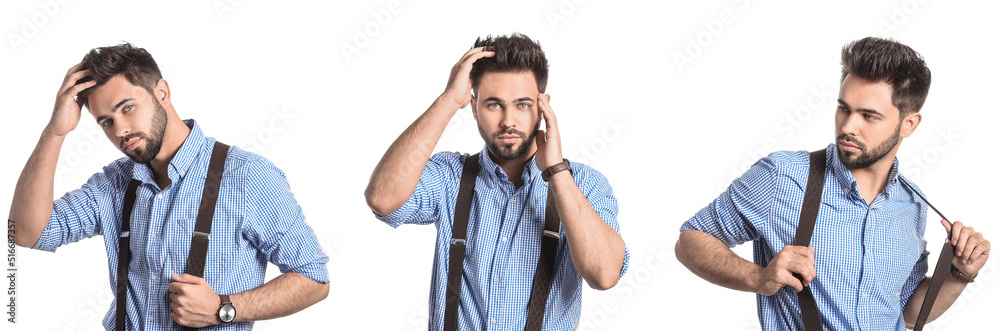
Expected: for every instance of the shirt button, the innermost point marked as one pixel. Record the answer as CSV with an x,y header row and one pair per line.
x,y
154,277
494,321
496,280
864,295
503,239
154,236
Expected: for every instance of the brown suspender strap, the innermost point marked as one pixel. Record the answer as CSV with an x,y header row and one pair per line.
x,y
203,223
199,240
807,221
540,285
456,251
542,282
124,254
206,209
940,270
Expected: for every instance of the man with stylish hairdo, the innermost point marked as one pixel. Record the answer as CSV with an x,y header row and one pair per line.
x,y
255,219
522,177
866,262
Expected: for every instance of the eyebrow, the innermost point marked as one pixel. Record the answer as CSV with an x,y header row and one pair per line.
x,y
521,99
114,109
863,110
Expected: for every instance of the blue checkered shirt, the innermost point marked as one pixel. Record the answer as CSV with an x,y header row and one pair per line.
x,y
869,260
504,242
256,220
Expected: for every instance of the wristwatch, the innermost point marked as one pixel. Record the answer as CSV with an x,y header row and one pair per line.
x,y
227,313
958,274
555,168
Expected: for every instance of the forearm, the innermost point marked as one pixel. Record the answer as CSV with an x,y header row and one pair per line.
x,y
710,259
597,251
32,203
398,172
950,291
282,296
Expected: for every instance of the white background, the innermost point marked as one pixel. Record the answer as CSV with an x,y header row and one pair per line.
x,y
763,77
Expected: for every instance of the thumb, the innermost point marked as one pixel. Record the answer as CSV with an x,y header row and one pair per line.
x,y
186,278
947,226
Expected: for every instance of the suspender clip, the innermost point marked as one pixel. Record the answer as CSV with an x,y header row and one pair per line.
x,y
551,234
200,235
124,234
458,241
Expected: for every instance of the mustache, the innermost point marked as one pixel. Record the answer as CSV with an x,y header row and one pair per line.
x,y
510,131
130,136
853,140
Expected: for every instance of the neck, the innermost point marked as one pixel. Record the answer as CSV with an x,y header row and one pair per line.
x,y
514,168
173,137
873,179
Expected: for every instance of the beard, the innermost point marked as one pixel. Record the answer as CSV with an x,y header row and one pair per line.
x,y
866,158
510,151
154,140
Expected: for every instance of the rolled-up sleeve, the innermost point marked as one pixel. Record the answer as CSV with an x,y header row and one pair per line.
x,y
747,201
276,225
441,173
76,215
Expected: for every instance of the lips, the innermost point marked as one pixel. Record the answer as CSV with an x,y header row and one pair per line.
x,y
847,147
131,144
509,138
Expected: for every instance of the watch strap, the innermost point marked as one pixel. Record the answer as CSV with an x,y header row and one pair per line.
x,y
554,169
958,274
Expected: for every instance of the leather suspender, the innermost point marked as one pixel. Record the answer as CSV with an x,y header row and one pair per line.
x,y
807,220
940,270
124,254
456,252
199,240
541,284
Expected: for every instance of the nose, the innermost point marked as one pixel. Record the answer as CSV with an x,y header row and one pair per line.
x,y
851,123
122,129
507,119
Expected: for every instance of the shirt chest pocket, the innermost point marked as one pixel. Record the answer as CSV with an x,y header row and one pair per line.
x,y
222,244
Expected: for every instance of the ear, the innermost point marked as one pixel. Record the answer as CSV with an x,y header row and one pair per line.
x,y
472,106
910,123
161,92
548,97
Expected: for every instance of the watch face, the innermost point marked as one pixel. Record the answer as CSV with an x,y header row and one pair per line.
x,y
227,313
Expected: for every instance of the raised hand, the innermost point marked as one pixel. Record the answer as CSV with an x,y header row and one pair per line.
x,y
459,89
971,249
66,113
548,142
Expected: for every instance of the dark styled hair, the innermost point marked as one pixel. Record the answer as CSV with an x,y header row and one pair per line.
x,y
516,53
886,60
135,64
